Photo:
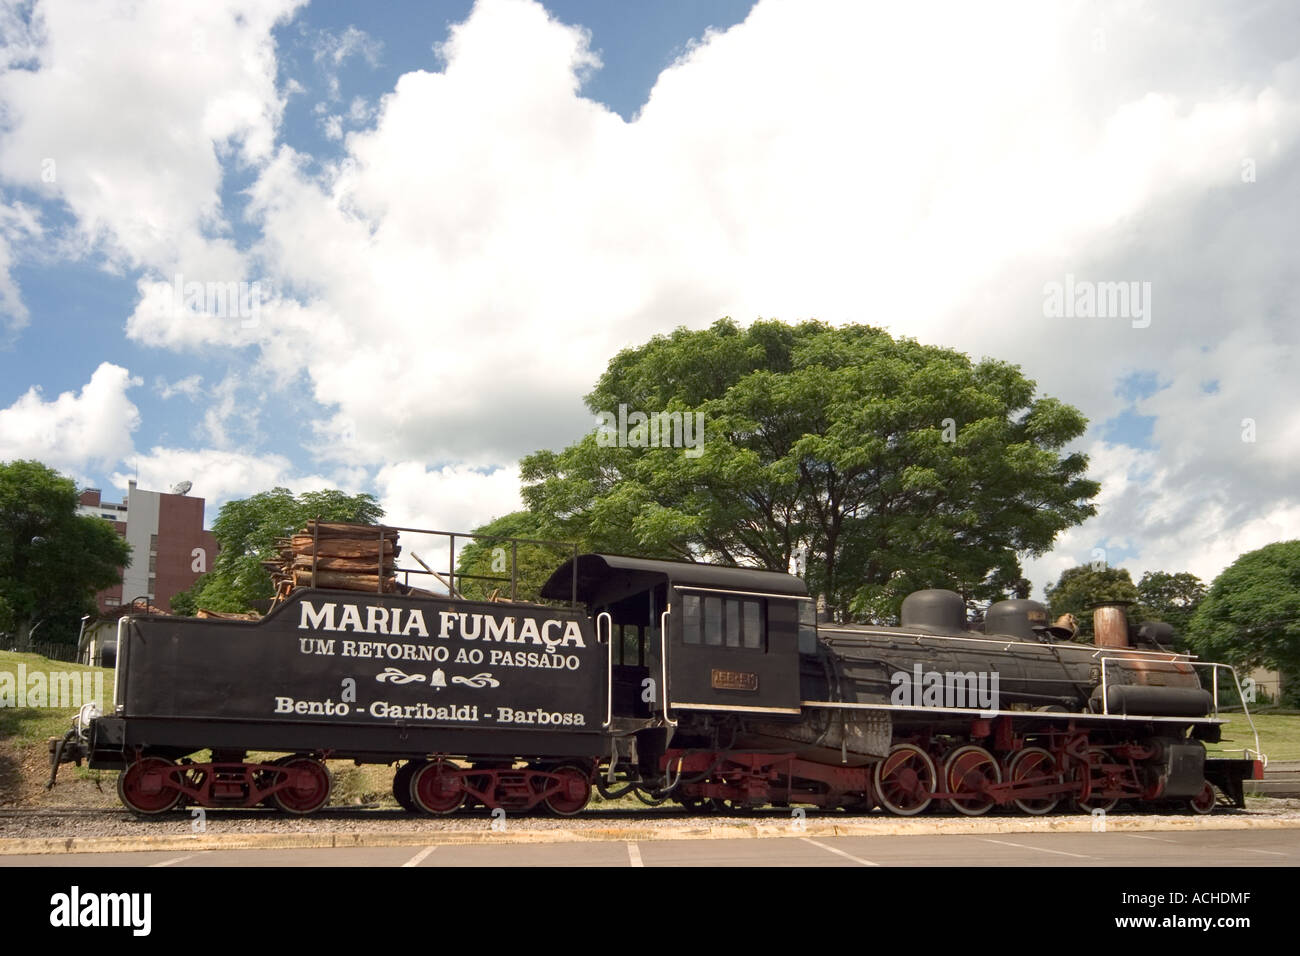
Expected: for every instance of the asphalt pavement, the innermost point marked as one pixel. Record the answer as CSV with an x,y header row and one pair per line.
x,y
1199,848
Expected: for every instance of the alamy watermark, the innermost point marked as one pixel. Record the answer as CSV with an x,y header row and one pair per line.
x,y
61,689
654,430
76,908
219,300
973,690
1084,299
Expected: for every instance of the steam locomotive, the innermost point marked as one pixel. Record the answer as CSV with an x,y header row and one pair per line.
x,y
713,687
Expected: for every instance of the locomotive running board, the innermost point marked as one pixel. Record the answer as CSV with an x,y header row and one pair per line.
x,y
738,707
1054,715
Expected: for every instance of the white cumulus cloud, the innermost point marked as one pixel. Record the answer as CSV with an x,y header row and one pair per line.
x,y
491,237
75,430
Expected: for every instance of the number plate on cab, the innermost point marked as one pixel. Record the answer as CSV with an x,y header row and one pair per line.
x,y
734,680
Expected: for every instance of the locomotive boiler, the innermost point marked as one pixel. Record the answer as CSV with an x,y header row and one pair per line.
x,y
713,687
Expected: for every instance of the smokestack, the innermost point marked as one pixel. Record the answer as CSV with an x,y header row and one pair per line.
x,y
1110,624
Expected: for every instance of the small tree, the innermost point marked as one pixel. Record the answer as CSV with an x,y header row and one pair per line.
x,y
1172,598
52,560
1081,587
534,563
1251,615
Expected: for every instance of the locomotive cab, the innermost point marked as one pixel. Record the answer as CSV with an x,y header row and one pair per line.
x,y
692,637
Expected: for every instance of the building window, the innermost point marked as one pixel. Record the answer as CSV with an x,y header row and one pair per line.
x,y
153,563
153,542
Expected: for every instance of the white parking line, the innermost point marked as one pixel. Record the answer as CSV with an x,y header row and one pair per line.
x,y
839,852
420,857
634,855
1138,836
1041,849
173,860
1269,852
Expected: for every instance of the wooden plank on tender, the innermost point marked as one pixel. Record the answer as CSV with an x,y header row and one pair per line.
x,y
325,563
228,615
344,580
344,547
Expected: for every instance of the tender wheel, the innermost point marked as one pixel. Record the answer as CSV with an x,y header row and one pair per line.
x,y
574,792
1098,780
402,785
1204,801
436,790
905,780
308,787
1030,767
970,771
146,786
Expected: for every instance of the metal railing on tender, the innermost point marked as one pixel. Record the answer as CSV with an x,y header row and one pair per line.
x,y
448,577
1256,754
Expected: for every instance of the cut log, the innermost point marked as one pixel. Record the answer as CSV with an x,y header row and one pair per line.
x,y
344,580
303,562
343,547
228,615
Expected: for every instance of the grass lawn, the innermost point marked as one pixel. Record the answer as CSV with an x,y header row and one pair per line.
x,y
24,757
1279,735
31,725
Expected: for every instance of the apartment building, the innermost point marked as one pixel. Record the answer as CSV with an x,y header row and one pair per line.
x,y
169,547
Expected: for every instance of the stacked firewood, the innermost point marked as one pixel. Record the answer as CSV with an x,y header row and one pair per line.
x,y
205,614
350,557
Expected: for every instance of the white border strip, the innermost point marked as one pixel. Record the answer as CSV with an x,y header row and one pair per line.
x,y
763,594
677,705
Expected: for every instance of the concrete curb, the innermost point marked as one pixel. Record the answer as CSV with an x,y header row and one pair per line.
x,y
14,846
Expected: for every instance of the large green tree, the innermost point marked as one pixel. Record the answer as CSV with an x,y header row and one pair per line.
x,y
247,530
1251,615
52,560
887,464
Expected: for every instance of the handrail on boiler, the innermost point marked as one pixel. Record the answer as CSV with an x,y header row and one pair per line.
x,y
1105,701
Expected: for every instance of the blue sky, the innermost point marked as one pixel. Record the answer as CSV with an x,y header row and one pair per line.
x,y
453,214
78,306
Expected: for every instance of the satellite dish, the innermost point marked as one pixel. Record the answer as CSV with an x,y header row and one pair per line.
x,y
183,487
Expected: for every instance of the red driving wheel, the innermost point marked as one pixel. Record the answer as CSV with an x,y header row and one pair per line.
x,y
905,780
